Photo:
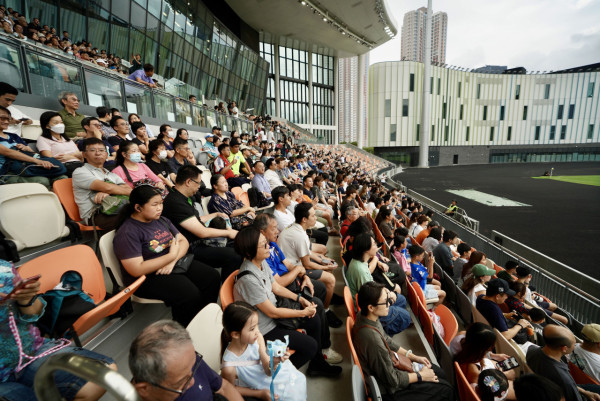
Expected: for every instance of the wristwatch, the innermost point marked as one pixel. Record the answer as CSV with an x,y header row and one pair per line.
x,y
29,303
419,378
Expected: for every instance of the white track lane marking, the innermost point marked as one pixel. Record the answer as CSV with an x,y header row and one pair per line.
x,y
485,199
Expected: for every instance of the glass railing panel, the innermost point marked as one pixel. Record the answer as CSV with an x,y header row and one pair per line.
x,y
49,77
183,113
138,99
11,68
212,118
163,104
103,91
199,116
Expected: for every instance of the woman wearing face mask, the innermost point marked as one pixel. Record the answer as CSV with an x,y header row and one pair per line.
x,y
54,143
131,169
156,160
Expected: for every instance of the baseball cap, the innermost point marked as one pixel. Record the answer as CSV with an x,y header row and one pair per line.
x,y
244,147
591,332
482,270
208,136
498,286
216,128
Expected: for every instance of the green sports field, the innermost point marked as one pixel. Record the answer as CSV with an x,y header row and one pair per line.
x,y
593,180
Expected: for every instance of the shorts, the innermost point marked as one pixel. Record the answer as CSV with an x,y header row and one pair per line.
x,y
19,386
314,274
430,292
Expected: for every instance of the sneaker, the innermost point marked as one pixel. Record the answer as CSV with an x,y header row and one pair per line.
x,y
331,356
333,320
319,367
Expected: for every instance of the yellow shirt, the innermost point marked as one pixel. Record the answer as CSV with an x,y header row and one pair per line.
x,y
236,160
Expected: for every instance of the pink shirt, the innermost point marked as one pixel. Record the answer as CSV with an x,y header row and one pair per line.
x,y
142,172
57,148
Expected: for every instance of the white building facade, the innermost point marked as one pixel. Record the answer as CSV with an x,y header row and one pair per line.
x,y
483,118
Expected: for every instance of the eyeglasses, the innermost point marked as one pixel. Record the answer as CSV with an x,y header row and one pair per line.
x,y
187,381
387,302
4,118
194,181
266,245
96,150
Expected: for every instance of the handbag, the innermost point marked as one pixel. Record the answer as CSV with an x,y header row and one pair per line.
x,y
145,181
183,264
401,362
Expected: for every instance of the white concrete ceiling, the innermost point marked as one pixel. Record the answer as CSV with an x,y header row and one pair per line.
x,y
289,22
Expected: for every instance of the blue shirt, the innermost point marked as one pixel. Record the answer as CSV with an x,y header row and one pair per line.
x,y
419,274
11,142
260,182
275,260
141,75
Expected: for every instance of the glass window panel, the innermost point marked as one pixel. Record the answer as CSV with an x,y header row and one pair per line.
x,y
138,17
72,18
11,67
121,9
152,27
183,112
98,28
120,38
103,91
136,43
45,10
49,77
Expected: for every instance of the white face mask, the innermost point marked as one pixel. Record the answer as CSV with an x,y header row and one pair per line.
x,y
172,134
58,128
135,157
162,155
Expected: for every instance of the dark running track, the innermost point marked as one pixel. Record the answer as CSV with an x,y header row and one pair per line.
x,y
562,222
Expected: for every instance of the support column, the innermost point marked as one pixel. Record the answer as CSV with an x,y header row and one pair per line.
x,y
425,108
361,134
310,91
276,71
336,87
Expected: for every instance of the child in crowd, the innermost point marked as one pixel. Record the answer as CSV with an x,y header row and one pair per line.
x,y
464,252
421,274
492,385
246,362
538,321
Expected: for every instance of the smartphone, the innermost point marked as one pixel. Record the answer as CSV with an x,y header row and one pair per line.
x,y
20,285
508,364
23,119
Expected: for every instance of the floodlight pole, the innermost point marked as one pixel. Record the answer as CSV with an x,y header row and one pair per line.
x,y
425,108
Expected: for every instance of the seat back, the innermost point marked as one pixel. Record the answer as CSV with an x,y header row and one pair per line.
x,y
53,265
413,299
426,322
203,158
246,186
244,198
580,376
358,385
510,348
205,331
64,190
444,356
478,317
237,191
465,390
349,302
206,178
30,215
449,322
419,292
205,201
110,261
464,307
226,291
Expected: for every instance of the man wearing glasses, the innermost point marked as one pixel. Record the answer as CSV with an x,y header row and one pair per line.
x,y
165,367
93,128
92,183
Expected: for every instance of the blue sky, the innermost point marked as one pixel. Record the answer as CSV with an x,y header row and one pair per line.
x,y
540,35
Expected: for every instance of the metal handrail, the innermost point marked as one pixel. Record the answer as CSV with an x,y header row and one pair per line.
x,y
86,368
461,214
572,296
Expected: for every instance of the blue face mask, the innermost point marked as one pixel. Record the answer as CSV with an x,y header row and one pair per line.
x,y
136,157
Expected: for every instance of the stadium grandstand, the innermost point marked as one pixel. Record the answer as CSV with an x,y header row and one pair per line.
x,y
174,201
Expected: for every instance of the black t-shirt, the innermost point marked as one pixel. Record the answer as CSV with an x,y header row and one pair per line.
x,y
179,208
115,140
159,168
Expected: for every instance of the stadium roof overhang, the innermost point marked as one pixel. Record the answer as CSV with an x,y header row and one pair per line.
x,y
336,27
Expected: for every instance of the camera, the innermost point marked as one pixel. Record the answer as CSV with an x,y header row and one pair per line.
x,y
277,348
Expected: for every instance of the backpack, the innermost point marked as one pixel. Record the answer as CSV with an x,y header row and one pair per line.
x,y
65,304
